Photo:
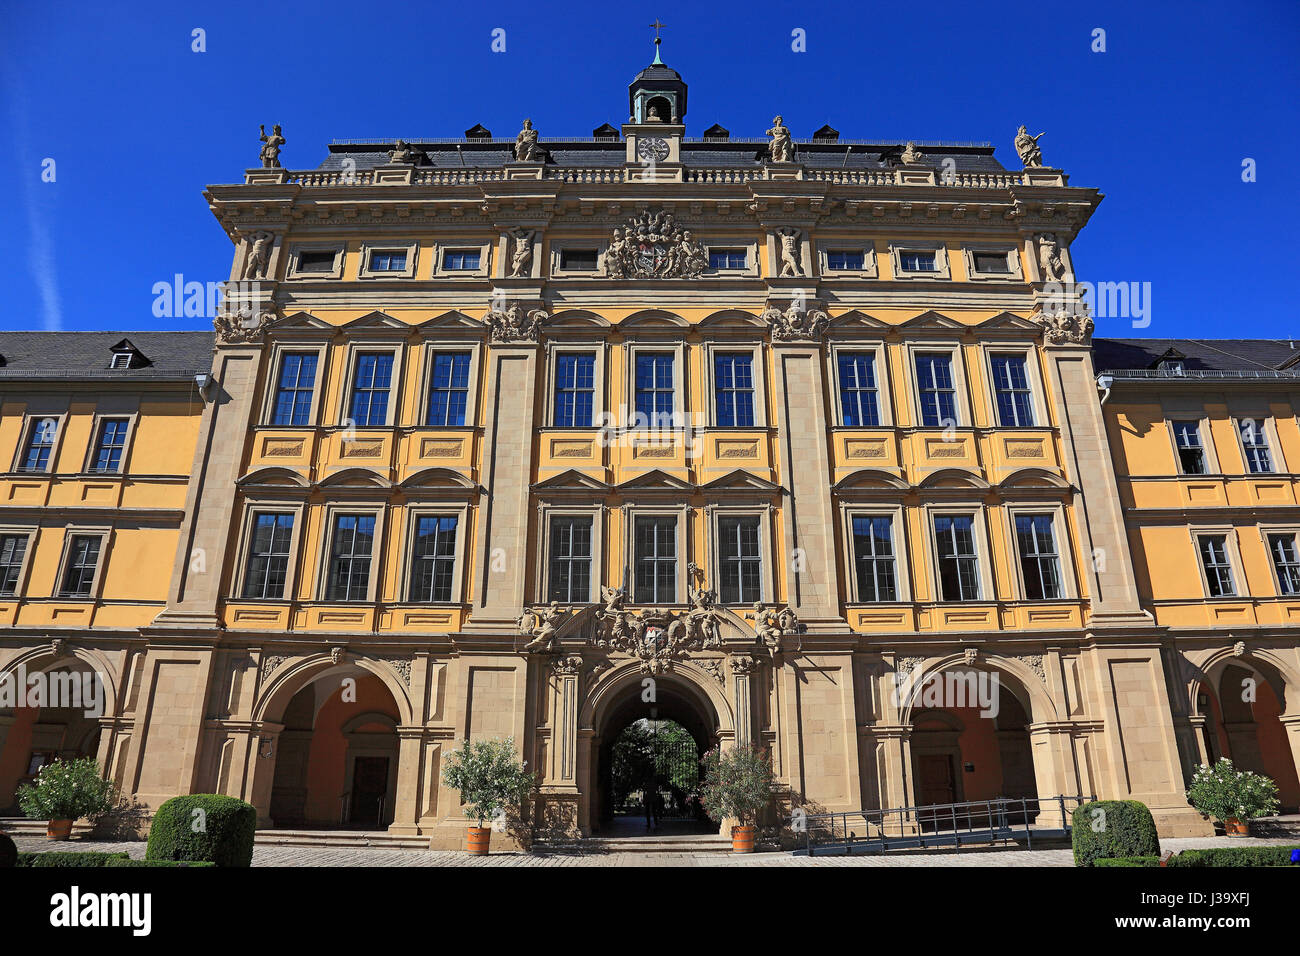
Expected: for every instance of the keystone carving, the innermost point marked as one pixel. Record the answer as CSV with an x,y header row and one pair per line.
x,y
514,325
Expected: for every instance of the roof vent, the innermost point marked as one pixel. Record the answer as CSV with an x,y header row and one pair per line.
x,y
826,134
717,133
478,131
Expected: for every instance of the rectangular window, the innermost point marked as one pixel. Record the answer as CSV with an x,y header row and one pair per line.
x,y
40,445
448,389
370,385
728,258
1040,565
13,547
317,260
570,575
733,387
740,563
655,553
918,261
1011,388
109,447
1214,559
268,556
388,260
294,390
873,558
654,388
991,263
1282,548
575,389
1191,453
461,260
433,558
937,394
954,538
844,261
578,260
350,551
1255,444
83,559
858,393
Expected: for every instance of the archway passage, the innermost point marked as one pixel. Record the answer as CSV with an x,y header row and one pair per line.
x,y
336,759
1242,724
39,735
965,752
650,750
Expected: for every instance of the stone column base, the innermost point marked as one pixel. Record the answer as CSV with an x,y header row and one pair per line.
x,y
1181,822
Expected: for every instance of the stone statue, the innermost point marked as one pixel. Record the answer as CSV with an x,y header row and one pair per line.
x,y
270,153
771,625
911,154
702,619
523,252
1049,257
259,255
513,325
1027,147
781,149
791,258
541,625
405,153
526,148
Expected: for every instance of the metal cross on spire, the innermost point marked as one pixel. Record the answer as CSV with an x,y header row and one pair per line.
x,y
657,26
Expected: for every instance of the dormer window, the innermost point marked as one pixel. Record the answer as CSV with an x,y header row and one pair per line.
x,y
120,360
1171,366
125,355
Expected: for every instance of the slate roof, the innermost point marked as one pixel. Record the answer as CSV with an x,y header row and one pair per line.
x,y
1244,358
736,153
77,356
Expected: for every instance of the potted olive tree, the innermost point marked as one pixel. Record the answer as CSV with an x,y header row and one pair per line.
x,y
738,783
490,778
1232,796
64,791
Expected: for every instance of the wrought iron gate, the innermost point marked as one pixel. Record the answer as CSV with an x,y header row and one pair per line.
x,y
666,770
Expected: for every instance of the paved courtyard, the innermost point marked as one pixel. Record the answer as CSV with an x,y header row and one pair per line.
x,y
367,856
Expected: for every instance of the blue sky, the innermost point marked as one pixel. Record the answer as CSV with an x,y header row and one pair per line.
x,y
137,123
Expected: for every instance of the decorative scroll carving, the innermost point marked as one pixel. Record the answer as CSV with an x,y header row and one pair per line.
x,y
1035,663
540,625
796,323
270,662
654,247
513,325
244,325
567,666
402,665
1027,147
1239,649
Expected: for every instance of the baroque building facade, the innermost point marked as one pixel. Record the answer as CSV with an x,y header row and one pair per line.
x,y
535,438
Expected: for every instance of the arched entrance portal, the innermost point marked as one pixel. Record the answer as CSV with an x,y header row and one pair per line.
x,y
336,759
670,700
970,740
1243,710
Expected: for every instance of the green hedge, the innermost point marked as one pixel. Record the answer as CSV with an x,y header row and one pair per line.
x,y
1127,861
221,834
1126,829
80,858
1235,856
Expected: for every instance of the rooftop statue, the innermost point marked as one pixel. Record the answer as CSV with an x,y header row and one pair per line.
x,y
526,148
781,148
404,152
1027,147
911,154
270,153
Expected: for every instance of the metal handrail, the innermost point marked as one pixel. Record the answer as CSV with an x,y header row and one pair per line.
x,y
976,821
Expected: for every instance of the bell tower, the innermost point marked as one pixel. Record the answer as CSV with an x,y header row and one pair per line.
x,y
656,100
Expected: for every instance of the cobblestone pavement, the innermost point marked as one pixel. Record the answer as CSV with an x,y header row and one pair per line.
x,y
364,856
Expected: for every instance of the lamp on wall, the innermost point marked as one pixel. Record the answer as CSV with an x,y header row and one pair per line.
x,y
1104,383
203,382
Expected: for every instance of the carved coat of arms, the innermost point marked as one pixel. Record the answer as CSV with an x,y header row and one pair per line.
x,y
654,247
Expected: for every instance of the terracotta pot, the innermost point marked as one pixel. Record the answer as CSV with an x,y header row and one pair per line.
x,y
58,830
742,839
1236,828
477,840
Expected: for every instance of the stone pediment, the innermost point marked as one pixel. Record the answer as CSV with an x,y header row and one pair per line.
x,y
654,318
377,322
576,320
858,321
453,321
954,479
300,323
571,481
733,319
741,481
1009,322
932,321
354,478
656,480
870,479
439,478
278,477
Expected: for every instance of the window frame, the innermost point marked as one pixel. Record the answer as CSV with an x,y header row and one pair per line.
x,y
1037,400
898,537
1232,561
884,388
710,349
942,262
1265,427
427,362
1060,540
980,541
961,399
252,508
370,248
30,421
294,270
1178,449
557,248
678,351
325,552
356,349
870,267
32,534
679,515
271,390
98,425
1265,532
409,522
547,510
441,249
554,349
751,269
105,534
594,561
1010,250
714,513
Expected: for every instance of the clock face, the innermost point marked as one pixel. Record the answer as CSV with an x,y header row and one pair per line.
x,y
652,149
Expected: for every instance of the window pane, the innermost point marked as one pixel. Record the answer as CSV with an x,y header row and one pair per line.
x,y
268,558
575,382
374,372
294,390
112,441
448,389
349,576
733,387
13,547
83,559
873,558
570,577
433,558
958,566
937,394
1286,562
1218,571
1011,387
655,555
740,563
654,388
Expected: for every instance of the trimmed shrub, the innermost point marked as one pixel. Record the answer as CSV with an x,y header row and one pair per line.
x,y
1235,856
161,863
8,852
84,858
1127,861
203,826
1112,828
